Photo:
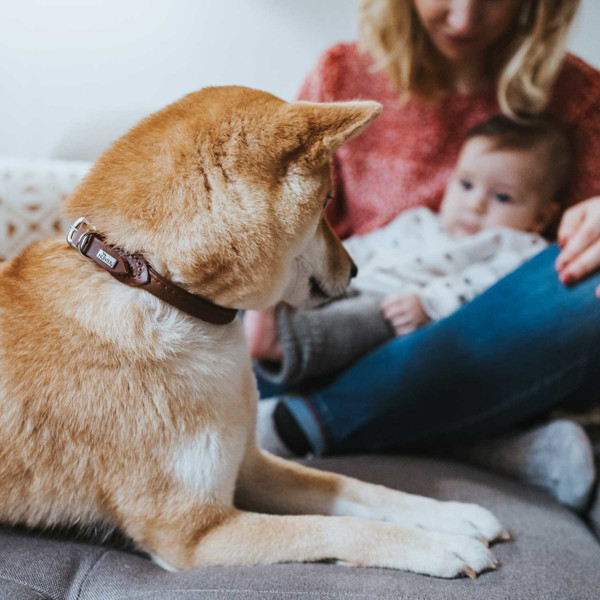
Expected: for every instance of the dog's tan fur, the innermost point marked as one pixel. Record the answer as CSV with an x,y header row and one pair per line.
x,y
117,408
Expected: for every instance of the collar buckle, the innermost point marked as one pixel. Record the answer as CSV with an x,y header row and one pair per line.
x,y
73,230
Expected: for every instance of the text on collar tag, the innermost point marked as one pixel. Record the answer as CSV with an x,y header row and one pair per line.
x,y
106,258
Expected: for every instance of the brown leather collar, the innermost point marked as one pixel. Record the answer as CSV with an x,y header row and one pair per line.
x,y
134,270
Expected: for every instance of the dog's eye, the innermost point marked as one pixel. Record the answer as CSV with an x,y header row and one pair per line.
x,y
327,199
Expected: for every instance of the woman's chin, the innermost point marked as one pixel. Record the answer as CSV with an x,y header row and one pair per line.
x,y
458,52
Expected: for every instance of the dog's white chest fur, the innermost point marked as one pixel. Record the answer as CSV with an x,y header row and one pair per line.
x,y
217,372
208,465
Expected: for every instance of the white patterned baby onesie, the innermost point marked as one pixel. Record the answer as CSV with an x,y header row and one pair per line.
x,y
413,253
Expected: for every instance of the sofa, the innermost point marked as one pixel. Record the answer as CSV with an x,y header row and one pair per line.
x,y
554,553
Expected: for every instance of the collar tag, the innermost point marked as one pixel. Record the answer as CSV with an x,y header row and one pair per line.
x,y
106,258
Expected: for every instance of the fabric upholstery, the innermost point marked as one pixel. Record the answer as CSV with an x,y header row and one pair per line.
x,y
553,555
30,197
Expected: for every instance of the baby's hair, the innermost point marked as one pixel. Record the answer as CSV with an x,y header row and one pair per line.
x,y
544,131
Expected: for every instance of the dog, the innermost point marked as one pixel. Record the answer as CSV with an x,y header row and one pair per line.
x,y
125,408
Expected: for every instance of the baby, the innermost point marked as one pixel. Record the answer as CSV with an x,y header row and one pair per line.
x,y
502,195
504,192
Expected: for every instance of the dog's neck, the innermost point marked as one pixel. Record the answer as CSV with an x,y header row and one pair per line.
x,y
133,270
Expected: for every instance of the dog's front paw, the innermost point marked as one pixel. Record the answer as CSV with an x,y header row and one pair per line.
x,y
469,519
444,555
448,517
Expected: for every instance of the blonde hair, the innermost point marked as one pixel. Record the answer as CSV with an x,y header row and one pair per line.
x,y
524,66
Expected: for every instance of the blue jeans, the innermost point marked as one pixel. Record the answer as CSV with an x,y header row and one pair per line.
x,y
523,347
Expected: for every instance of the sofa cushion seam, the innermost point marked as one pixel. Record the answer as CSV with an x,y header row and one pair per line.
x,y
86,576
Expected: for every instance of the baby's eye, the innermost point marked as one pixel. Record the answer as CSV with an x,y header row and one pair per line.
x,y
503,197
465,184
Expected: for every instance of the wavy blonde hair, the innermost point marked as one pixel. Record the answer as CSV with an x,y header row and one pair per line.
x,y
524,64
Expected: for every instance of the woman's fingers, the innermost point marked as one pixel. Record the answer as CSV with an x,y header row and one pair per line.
x,y
569,223
582,265
579,230
584,237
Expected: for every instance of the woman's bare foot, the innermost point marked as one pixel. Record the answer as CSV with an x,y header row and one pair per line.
x,y
262,335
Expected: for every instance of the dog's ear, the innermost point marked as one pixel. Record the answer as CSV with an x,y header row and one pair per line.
x,y
315,130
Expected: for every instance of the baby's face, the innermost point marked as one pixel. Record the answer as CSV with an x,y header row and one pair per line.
x,y
498,188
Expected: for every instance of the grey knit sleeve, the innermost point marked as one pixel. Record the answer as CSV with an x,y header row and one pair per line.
x,y
322,341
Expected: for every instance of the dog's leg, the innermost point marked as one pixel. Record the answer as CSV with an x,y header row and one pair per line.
x,y
271,484
233,537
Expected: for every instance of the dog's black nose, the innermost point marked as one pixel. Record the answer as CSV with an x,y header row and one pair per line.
x,y
353,270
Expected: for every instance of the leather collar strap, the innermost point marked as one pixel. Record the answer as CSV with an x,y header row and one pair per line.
x,y
134,270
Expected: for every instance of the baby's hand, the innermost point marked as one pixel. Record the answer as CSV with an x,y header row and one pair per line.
x,y
405,312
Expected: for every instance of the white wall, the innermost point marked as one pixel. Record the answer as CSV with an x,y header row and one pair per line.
x,y
76,73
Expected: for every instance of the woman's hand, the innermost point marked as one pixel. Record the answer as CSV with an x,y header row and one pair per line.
x,y
405,313
579,238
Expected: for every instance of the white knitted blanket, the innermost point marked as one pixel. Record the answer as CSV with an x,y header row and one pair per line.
x,y
30,195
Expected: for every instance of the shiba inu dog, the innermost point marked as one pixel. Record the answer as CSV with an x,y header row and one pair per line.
x,y
119,406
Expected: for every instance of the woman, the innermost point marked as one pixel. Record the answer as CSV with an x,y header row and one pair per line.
x,y
529,343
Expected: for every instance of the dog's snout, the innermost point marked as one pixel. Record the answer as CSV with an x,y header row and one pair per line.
x,y
353,270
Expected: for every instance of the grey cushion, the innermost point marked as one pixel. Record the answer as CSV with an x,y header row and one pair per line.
x,y
553,555
17,591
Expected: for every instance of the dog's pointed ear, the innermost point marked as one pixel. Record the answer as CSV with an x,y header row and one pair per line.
x,y
315,130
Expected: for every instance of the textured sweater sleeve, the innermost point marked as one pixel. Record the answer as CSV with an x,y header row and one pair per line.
x,y
585,179
445,295
576,104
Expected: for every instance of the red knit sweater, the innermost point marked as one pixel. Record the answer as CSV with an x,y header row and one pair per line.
x,y
405,157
